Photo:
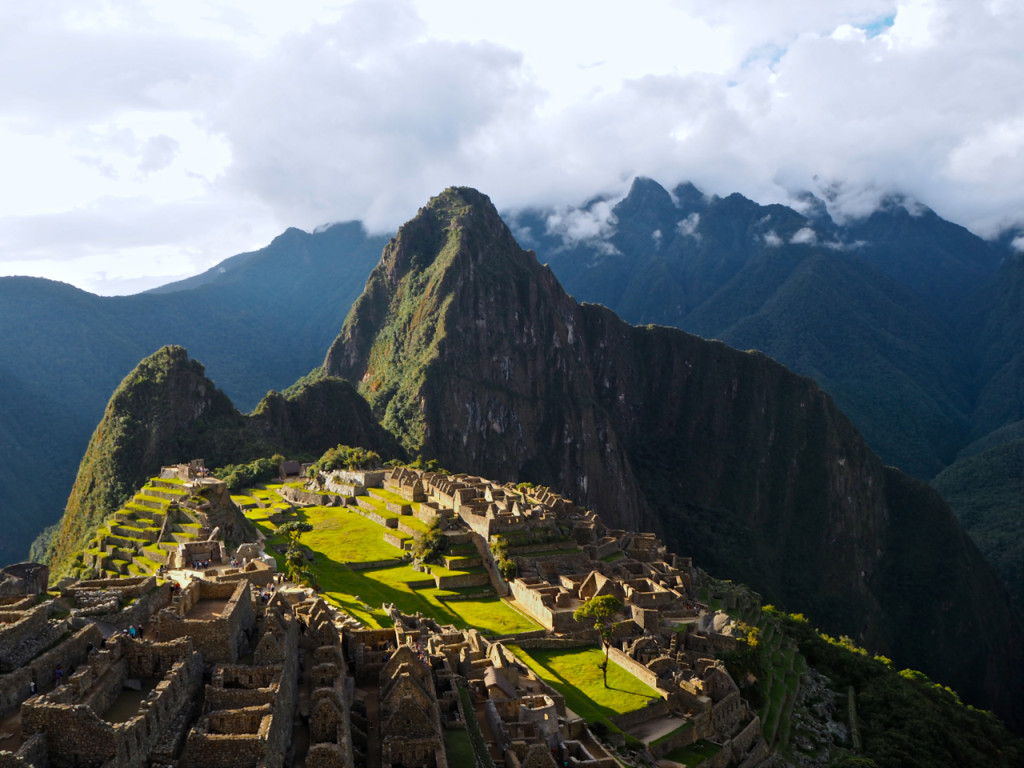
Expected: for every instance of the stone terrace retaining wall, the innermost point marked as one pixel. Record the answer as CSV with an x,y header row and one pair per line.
x,y
636,669
299,496
652,711
24,634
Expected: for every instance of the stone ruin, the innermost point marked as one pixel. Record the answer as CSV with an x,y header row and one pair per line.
x,y
228,671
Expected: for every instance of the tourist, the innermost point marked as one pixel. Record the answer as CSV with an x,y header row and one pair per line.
x,y
59,674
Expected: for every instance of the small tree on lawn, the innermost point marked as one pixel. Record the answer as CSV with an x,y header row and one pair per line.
x,y
601,608
294,558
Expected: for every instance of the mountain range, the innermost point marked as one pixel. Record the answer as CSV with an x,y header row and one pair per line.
x,y
259,320
467,350
911,323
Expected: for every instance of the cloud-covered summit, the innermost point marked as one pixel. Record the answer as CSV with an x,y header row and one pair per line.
x,y
227,122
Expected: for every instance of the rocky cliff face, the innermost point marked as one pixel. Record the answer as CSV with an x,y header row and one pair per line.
x,y
470,352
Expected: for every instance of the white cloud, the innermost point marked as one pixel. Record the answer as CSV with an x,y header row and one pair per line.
x,y
688,226
771,239
1018,244
804,236
272,115
593,224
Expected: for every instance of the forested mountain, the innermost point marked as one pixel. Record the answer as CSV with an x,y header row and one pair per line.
x,y
261,320
870,309
471,353
913,324
166,409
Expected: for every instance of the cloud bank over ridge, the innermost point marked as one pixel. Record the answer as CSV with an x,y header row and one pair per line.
x,y
144,144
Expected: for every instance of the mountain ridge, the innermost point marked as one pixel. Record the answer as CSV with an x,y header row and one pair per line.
x,y
756,450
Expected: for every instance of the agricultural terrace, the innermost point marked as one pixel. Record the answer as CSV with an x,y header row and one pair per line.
x,y
576,674
343,542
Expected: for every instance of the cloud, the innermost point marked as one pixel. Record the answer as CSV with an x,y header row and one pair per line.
x,y
367,126
365,110
594,225
158,153
804,236
772,239
688,226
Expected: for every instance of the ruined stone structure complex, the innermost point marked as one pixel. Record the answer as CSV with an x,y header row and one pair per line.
x,y
219,668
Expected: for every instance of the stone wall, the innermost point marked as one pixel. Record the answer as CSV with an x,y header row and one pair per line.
x,y
685,735
535,602
137,612
370,512
223,638
257,573
24,579
636,669
300,496
655,708
32,754
24,634
461,580
218,750
76,736
395,508
369,478
15,687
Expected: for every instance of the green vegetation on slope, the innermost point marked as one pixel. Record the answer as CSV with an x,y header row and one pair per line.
x,y
905,719
167,411
986,491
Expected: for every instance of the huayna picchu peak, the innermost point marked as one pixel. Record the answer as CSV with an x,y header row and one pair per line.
x,y
470,352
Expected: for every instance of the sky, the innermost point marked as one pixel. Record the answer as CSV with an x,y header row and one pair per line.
x,y
145,141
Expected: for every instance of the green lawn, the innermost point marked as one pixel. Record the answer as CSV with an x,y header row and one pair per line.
x,y
694,754
576,674
341,536
362,594
386,495
459,748
345,536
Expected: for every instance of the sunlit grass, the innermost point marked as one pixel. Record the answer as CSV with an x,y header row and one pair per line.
x,y
576,674
363,593
342,536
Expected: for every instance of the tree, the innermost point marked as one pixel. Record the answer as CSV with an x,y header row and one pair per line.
x,y
294,558
601,608
345,457
293,530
